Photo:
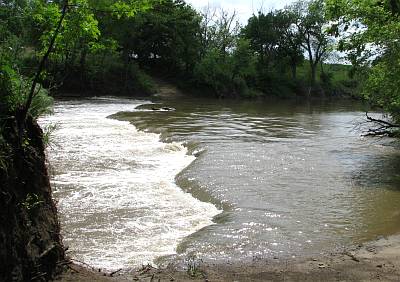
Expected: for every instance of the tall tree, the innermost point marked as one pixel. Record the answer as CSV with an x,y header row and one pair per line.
x,y
290,40
369,32
219,29
166,35
264,34
311,24
59,27
227,61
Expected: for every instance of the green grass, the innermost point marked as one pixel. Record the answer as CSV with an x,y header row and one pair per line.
x,y
339,72
4,156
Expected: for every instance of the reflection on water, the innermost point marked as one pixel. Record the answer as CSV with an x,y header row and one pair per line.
x,y
293,178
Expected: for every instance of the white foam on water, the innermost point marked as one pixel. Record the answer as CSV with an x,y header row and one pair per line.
x,y
115,186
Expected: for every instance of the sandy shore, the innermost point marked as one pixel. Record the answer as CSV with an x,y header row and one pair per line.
x,y
374,261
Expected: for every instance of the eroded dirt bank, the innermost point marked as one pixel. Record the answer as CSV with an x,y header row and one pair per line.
x,y
31,248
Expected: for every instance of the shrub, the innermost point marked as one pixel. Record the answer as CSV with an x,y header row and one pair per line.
x,y
14,89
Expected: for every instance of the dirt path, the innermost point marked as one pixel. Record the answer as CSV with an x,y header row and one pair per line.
x,y
375,261
166,89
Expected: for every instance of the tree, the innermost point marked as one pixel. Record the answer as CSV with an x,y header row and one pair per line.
x,y
369,33
219,30
276,41
23,111
56,29
290,40
264,35
311,24
227,64
166,35
228,74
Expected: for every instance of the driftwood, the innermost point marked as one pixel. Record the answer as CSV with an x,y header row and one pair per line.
x,y
382,127
84,263
115,272
353,257
39,275
71,268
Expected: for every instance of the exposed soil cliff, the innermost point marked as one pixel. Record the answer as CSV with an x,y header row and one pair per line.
x,y
30,243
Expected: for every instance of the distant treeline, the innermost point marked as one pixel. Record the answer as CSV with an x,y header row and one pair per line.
x,y
111,46
116,46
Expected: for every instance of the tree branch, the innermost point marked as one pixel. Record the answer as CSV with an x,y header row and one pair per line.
x,y
383,123
42,64
384,128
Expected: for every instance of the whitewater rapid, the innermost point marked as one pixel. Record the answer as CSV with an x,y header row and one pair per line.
x,y
118,201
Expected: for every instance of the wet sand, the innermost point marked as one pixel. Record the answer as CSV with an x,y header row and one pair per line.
x,y
374,261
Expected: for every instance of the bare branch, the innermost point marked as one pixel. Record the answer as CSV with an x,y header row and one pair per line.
x,y
382,127
384,123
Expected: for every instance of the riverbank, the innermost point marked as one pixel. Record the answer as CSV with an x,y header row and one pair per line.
x,y
374,261
30,240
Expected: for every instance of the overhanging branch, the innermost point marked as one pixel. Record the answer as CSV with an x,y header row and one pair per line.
x,y
35,81
381,122
382,127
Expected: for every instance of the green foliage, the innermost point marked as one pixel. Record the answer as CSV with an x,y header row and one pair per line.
x,y
15,88
164,35
130,8
244,61
4,153
228,64
47,134
144,83
311,25
31,202
228,74
216,72
107,73
382,85
219,30
281,38
103,45
90,53
41,104
263,33
372,46
11,97
192,266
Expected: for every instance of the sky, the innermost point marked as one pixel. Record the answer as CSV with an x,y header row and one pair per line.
x,y
244,8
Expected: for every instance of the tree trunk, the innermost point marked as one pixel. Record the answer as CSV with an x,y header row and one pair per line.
x,y
23,112
82,65
43,61
322,67
313,73
294,71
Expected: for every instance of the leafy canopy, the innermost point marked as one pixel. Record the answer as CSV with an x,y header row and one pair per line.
x,y
369,31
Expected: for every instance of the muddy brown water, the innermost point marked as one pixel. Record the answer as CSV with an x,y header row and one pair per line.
x,y
293,178
278,179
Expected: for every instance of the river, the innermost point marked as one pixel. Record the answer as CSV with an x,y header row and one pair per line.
x,y
218,180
